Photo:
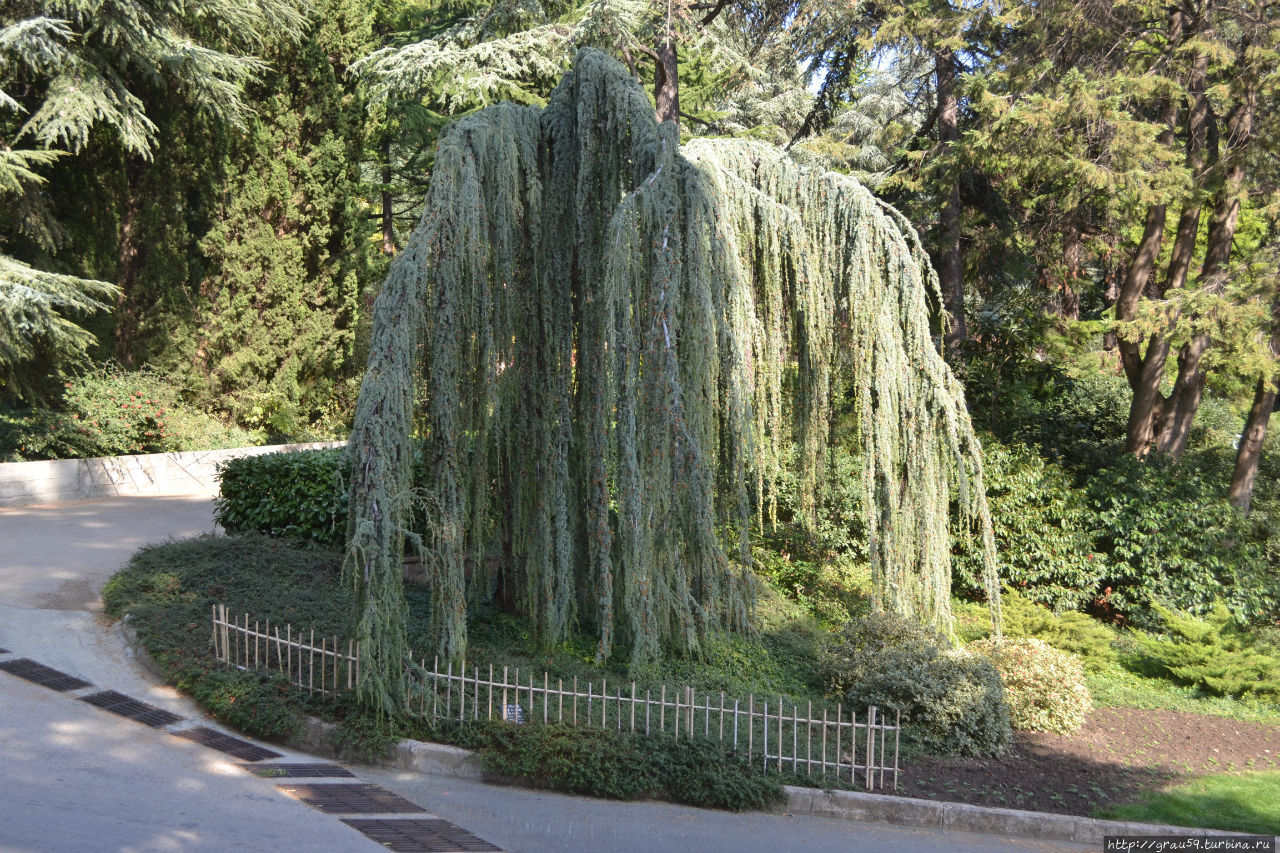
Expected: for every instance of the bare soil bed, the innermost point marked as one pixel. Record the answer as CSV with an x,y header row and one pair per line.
x,y
1118,755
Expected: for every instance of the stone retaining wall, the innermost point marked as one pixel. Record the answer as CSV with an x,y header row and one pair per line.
x,y
188,473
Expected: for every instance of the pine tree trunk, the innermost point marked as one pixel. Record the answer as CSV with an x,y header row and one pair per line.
x,y
1189,388
1255,433
950,262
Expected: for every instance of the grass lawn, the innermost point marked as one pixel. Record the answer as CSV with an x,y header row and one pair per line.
x,y
1239,802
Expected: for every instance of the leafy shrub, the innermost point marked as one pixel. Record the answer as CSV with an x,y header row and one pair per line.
x,y
702,773
1214,654
1085,418
1071,631
1172,538
253,702
832,588
576,760
951,702
625,766
299,494
112,412
1043,686
1043,531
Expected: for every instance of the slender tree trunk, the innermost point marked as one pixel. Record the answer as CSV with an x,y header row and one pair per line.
x,y
1149,413
388,210
1184,401
950,261
1188,390
130,257
666,82
1135,283
1147,410
1255,433
1139,275
1072,255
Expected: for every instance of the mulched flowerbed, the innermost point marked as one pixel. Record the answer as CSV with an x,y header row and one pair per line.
x,y
1119,754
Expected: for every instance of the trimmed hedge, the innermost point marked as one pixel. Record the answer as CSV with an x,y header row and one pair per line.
x,y
299,495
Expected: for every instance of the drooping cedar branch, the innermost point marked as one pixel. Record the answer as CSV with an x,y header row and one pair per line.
x,y
624,346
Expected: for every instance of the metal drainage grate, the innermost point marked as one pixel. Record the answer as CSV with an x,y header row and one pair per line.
x,y
420,836
45,676
127,706
241,749
355,798
299,771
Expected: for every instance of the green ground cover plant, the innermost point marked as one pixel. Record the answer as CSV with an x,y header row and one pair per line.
x,y
1118,687
1115,669
1093,642
167,591
1215,654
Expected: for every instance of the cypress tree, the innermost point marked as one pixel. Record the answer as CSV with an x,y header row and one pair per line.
x,y
618,341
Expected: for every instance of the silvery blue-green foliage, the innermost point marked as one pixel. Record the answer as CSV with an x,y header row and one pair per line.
x,y
606,323
509,52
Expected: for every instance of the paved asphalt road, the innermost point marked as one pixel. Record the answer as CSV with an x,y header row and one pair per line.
x,y
74,778
546,822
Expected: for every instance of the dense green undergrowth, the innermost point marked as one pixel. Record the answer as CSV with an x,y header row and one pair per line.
x,y
1117,671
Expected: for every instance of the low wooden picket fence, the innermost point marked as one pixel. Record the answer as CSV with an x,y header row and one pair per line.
x,y
831,744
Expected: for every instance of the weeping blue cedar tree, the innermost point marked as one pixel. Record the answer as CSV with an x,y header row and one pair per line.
x,y
619,342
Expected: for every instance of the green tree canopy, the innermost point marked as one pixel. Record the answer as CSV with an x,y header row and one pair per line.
x,y
75,70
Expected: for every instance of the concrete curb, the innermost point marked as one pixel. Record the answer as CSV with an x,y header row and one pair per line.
x,y
143,657
445,760
962,817
417,756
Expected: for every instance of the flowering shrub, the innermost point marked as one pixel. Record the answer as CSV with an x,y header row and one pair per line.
x,y
116,413
112,412
1044,687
